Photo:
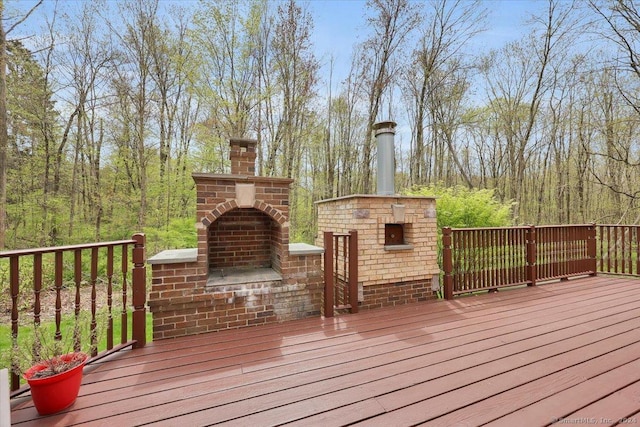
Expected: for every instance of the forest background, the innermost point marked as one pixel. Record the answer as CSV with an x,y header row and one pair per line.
x,y
110,106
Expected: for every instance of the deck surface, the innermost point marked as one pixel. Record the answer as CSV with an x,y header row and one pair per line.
x,y
567,351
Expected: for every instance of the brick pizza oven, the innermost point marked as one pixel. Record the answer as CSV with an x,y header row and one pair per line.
x,y
244,271
397,235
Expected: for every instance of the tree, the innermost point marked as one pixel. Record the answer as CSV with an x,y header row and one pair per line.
x,y
86,66
378,64
518,79
622,20
4,136
294,71
229,54
133,88
435,83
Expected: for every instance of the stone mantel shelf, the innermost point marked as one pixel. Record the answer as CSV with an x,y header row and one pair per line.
x,y
175,256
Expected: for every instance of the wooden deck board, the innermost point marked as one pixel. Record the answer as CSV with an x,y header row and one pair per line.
x,y
613,408
527,354
599,372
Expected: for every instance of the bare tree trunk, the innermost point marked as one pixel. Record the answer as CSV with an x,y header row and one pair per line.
x,y
4,135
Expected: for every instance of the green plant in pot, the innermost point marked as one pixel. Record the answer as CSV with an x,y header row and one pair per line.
x,y
54,372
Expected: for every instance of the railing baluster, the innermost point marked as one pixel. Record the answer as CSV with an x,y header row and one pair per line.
x,y
77,345
511,248
615,249
109,297
467,256
123,315
554,251
563,234
58,287
503,253
456,260
37,287
601,237
471,261
608,249
591,250
94,324
496,258
623,249
485,261
492,257
629,249
473,244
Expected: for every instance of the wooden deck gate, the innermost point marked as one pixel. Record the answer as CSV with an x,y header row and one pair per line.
x,y
340,272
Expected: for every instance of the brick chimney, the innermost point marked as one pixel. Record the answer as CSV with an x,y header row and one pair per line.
x,y
243,156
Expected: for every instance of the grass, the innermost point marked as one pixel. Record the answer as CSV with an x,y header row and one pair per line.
x,y
26,336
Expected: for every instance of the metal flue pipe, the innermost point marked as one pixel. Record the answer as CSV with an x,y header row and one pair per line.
x,y
385,133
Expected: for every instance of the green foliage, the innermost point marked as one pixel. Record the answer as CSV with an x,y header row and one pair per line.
x,y
179,234
303,217
459,207
462,207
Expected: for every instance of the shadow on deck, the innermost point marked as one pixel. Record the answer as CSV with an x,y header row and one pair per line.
x,y
565,350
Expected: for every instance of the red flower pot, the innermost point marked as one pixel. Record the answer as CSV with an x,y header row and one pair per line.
x,y
54,393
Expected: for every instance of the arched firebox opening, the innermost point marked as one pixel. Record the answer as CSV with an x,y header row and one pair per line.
x,y
244,246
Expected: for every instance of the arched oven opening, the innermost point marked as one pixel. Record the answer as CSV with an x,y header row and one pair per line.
x,y
243,247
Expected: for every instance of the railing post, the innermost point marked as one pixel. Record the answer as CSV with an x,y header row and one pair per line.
x,y
353,270
591,250
447,262
328,274
139,279
531,255
14,279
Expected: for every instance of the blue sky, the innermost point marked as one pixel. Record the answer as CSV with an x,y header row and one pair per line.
x,y
340,24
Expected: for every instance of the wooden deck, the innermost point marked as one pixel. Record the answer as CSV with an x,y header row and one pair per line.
x,y
567,350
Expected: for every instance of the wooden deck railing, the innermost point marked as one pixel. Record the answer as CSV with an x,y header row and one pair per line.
x,y
563,251
340,272
618,249
477,259
61,270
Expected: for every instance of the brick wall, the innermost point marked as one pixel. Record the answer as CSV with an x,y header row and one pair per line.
x,y
241,239
181,303
391,294
302,288
242,154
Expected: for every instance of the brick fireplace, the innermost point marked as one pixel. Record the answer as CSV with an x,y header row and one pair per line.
x,y
244,271
246,218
